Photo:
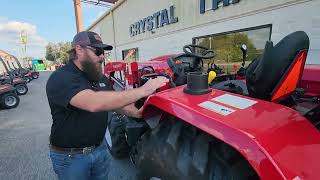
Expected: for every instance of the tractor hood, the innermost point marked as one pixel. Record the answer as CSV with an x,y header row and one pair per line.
x,y
277,141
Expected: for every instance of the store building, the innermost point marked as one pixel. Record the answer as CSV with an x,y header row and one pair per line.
x,y
143,29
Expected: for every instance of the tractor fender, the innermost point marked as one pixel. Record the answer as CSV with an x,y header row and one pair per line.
x,y
6,88
277,141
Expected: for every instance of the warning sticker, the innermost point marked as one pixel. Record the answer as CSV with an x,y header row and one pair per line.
x,y
234,101
216,108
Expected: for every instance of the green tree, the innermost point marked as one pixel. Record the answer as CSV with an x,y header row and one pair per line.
x,y
51,52
227,47
58,52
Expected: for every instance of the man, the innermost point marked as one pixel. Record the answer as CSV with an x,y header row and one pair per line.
x,y
79,102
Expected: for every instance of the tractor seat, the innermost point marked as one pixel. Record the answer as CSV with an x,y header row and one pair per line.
x,y
275,74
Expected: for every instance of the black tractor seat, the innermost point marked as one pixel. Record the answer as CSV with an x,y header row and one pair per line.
x,y
276,73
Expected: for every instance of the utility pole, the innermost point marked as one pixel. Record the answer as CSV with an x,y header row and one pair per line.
x,y
78,14
24,41
24,45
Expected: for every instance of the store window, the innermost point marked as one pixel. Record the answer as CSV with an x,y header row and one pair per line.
x,y
227,46
130,55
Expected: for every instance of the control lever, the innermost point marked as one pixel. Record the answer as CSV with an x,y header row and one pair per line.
x,y
212,75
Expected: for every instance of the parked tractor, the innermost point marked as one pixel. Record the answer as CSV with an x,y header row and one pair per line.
x,y
262,125
10,77
15,66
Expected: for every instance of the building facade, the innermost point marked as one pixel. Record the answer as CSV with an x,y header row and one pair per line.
x,y
143,29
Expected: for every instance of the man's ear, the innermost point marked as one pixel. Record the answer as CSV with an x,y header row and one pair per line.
x,y
79,51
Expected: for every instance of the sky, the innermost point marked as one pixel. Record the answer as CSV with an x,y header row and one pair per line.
x,y
43,21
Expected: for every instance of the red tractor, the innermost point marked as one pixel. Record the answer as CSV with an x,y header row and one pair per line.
x,y
263,126
15,66
10,77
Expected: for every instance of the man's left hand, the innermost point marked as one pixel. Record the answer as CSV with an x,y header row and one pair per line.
x,y
131,111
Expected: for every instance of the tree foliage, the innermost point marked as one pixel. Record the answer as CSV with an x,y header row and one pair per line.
x,y
58,52
227,47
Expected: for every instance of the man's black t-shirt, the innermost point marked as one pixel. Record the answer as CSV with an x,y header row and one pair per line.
x,y
73,127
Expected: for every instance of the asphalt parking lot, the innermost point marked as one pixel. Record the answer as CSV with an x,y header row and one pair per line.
x,y
24,133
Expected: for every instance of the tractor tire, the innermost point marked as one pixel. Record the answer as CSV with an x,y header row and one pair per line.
x,y
175,150
28,79
35,75
9,100
21,89
115,137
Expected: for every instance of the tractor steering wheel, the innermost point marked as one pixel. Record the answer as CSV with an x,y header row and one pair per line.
x,y
190,50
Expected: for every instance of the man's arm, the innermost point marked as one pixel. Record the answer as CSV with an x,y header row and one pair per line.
x,y
110,100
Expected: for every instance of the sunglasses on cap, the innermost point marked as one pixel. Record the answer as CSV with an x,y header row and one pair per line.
x,y
97,51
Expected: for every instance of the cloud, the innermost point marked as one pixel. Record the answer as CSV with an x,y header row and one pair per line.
x,y
17,27
10,38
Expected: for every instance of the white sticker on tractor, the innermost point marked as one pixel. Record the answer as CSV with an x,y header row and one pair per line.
x,y
235,101
216,108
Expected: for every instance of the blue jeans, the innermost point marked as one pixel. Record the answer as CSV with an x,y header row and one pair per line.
x,y
93,165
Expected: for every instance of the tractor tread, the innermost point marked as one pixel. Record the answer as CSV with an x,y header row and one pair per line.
x,y
176,150
174,135
184,159
200,154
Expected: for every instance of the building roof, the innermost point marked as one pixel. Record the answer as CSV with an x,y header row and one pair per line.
x,y
115,6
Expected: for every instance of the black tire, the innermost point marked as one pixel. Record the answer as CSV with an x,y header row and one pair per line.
x,y
21,89
9,100
35,75
118,146
175,150
28,79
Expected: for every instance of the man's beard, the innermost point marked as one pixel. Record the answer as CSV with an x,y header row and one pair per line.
x,y
92,70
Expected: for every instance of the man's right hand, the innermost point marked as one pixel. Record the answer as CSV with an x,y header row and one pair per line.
x,y
152,85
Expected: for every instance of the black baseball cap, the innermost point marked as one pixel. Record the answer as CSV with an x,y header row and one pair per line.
x,y
88,38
